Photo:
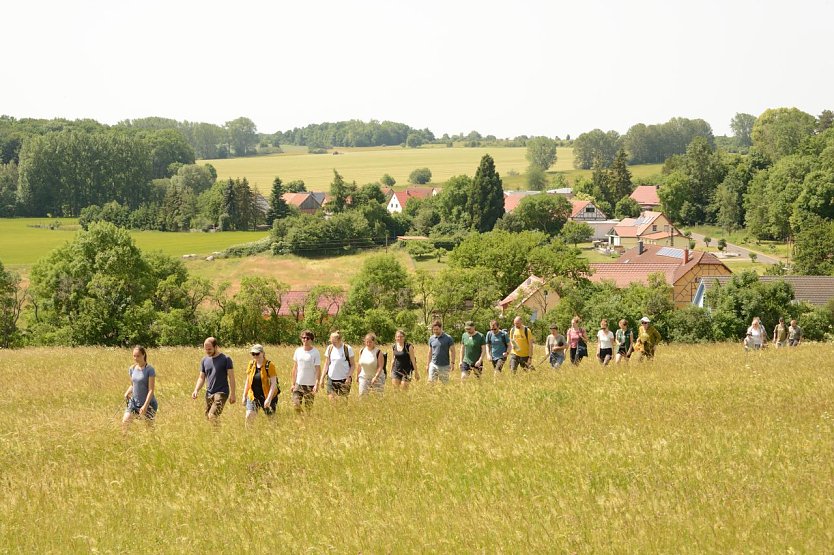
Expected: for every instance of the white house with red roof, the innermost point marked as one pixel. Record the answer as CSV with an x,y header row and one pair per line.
x,y
585,211
398,199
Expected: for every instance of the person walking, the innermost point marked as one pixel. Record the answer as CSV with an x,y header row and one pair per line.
x,y
339,362
605,343
577,340
499,345
472,351
218,375
794,334
441,354
306,372
404,366
261,388
780,334
625,342
522,345
372,367
555,344
647,339
140,396
756,337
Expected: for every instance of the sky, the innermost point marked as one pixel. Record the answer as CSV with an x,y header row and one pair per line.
x,y
503,68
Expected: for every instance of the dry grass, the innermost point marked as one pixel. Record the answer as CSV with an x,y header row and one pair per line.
x,y
705,449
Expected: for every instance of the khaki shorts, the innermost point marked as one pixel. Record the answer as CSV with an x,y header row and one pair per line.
x,y
215,403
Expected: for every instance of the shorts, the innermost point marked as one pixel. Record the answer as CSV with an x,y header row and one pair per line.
x,y
338,387
605,353
302,393
215,403
557,359
366,386
437,372
466,368
133,408
793,342
498,363
402,374
623,352
516,360
258,404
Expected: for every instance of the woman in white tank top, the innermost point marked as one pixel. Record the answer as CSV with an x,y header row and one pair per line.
x,y
371,364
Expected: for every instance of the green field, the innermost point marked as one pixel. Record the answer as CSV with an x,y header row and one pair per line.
x,y
776,249
705,449
21,245
367,165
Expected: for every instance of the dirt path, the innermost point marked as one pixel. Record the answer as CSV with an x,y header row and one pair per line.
x,y
742,251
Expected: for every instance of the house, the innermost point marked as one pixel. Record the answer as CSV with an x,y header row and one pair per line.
x,y
398,199
652,228
681,268
814,290
646,196
513,198
566,192
306,203
534,294
293,302
602,229
585,211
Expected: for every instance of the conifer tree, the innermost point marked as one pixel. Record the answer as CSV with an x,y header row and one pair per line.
x,y
485,202
277,205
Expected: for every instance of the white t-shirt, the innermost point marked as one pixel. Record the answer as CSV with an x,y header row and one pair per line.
x,y
756,335
339,368
307,362
368,363
606,339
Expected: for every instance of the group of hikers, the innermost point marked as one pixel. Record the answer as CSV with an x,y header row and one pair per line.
x,y
336,373
783,336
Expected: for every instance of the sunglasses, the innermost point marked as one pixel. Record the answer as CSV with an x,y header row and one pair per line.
x,y
305,338
254,354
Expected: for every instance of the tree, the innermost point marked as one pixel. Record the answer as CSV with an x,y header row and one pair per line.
x,y
825,120
296,186
577,232
381,283
11,305
420,176
243,135
722,244
707,240
814,250
536,178
277,205
742,127
779,131
595,147
541,152
627,207
414,140
340,192
452,203
546,213
387,181
485,202
619,178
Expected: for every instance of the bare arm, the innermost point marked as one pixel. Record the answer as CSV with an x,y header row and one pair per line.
x,y
326,365
273,387
318,377
151,390
379,365
201,379
246,386
294,373
232,388
129,392
413,358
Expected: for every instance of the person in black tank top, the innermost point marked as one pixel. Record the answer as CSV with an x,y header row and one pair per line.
x,y
405,365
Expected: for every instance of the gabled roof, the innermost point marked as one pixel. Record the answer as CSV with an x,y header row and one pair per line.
x,y
514,198
636,227
624,274
646,195
523,291
683,259
578,206
411,192
815,290
297,199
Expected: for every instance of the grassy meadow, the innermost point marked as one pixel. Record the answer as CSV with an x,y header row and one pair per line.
x,y
367,165
705,449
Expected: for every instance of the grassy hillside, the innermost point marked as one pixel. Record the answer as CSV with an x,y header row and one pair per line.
x,y
705,449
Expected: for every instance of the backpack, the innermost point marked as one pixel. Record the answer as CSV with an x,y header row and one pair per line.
x,y
347,355
384,360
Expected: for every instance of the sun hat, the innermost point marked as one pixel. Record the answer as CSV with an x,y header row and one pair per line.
x,y
645,320
256,349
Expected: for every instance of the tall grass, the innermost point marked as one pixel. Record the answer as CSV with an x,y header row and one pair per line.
x,y
703,449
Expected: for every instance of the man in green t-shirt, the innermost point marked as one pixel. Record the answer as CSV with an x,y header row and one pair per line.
x,y
472,351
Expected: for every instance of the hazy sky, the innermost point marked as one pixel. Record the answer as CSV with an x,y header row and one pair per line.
x,y
504,68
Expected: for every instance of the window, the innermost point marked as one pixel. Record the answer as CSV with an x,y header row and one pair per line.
x,y
589,209
654,228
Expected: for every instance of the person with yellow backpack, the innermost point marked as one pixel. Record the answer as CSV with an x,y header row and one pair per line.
x,y
261,389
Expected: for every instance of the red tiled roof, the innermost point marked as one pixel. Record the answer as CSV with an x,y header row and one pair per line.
x,y
624,274
635,227
295,300
578,206
295,199
527,288
682,259
646,195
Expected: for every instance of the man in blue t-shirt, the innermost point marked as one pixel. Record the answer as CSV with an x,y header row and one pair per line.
x,y
441,354
499,345
217,372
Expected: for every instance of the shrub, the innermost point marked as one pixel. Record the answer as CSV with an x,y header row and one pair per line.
x,y
420,176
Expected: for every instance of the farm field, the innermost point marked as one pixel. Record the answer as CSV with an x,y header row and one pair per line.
x,y
366,165
22,245
705,449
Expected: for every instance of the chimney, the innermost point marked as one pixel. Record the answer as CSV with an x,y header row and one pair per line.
x,y
686,256
639,247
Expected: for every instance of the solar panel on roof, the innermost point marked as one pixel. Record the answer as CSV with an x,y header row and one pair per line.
x,y
671,252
